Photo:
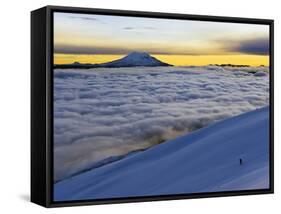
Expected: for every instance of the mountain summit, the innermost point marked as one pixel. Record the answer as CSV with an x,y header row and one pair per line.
x,y
135,59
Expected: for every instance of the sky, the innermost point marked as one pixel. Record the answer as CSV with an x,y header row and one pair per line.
x,y
87,38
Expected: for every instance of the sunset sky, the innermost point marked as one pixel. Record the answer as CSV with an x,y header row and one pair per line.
x,y
97,38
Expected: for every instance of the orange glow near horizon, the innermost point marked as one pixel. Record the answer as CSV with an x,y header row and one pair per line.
x,y
89,38
84,58
177,60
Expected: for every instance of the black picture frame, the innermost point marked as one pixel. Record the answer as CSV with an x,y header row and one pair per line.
x,y
42,104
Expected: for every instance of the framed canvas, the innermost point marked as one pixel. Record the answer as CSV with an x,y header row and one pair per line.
x,y
131,106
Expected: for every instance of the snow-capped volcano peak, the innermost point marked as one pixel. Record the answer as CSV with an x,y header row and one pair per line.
x,y
135,59
138,55
139,58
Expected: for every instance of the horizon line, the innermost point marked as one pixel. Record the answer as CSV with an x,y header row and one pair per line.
x,y
173,59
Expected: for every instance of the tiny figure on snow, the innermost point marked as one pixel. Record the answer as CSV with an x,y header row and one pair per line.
x,y
240,161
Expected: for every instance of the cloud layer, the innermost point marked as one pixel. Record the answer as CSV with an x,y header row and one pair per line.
x,y
100,113
257,46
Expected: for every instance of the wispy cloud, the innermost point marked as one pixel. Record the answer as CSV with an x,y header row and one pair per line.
x,y
85,18
72,49
256,46
139,28
251,46
128,28
259,46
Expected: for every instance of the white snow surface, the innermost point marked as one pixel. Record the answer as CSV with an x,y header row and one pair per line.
x,y
102,113
206,160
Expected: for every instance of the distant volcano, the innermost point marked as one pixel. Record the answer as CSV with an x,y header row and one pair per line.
x,y
133,59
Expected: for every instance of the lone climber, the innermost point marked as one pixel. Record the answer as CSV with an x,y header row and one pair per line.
x,y
240,161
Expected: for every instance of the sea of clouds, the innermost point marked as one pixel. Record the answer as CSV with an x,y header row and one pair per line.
x,y
106,112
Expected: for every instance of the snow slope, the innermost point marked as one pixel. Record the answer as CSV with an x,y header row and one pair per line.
x,y
206,160
135,59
